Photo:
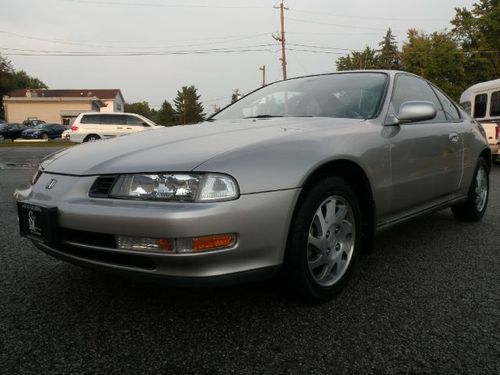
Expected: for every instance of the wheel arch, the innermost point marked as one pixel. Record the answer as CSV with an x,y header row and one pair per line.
x,y
90,135
355,175
486,154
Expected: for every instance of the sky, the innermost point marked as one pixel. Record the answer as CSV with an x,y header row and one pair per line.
x,y
150,49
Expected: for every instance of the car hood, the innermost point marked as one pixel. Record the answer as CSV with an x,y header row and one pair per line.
x,y
30,131
179,148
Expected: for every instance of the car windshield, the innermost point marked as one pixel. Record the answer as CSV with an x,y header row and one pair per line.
x,y
40,126
2,126
345,95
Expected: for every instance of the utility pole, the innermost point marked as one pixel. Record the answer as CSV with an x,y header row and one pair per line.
x,y
281,37
263,69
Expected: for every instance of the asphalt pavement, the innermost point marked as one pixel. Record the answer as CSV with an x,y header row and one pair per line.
x,y
426,301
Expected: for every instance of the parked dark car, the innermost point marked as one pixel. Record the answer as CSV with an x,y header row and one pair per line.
x,y
44,131
33,123
11,131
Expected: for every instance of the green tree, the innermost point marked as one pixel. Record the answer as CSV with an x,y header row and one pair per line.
x,y
367,59
21,80
478,33
141,108
166,114
11,80
188,108
436,57
388,56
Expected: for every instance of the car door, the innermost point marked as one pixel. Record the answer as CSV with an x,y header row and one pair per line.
x,y
114,124
426,156
17,129
8,131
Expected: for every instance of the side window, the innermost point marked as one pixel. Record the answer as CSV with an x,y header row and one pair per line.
x,y
134,121
450,111
113,120
90,119
480,105
409,88
495,104
466,106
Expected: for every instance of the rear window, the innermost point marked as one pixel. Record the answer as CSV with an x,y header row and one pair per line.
x,y
480,105
495,104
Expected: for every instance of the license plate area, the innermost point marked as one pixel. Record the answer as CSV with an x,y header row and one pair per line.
x,y
37,222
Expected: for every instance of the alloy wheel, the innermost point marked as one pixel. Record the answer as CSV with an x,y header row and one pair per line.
x,y
331,240
481,188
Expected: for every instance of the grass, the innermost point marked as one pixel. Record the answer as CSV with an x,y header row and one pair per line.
x,y
38,144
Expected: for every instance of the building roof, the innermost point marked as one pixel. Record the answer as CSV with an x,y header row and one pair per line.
x,y
77,93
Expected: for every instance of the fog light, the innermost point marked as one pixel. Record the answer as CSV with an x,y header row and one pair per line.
x,y
178,245
144,243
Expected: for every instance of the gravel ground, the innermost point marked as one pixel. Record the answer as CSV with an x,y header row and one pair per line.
x,y
426,301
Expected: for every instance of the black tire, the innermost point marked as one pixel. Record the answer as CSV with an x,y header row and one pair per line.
x,y
91,138
2,138
471,210
45,136
299,273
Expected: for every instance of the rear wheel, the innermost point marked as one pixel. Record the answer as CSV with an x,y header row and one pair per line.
x,y
324,240
91,138
474,207
2,138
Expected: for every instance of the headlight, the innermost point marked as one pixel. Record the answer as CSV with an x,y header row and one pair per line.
x,y
180,187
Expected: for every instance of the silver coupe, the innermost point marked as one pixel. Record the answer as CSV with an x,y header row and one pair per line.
x,y
296,177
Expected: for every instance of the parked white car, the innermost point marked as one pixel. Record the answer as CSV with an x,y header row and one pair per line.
x,y
92,126
482,101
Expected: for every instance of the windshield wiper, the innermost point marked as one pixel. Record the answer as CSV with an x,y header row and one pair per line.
x,y
262,116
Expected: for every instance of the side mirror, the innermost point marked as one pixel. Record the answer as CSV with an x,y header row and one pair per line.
x,y
416,111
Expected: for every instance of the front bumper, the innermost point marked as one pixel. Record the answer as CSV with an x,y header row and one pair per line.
x,y
261,221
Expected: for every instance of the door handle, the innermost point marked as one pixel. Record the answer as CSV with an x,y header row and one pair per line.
x,y
453,137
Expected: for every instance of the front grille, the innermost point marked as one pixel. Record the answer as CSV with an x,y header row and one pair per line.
x,y
102,186
87,238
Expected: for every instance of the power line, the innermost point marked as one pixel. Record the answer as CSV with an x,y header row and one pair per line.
x,y
363,17
336,24
82,43
163,5
40,53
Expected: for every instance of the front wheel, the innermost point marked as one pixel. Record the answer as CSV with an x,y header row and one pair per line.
x,y
324,240
45,136
474,207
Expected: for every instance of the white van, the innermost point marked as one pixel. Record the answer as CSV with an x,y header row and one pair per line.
x,y
482,101
92,126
